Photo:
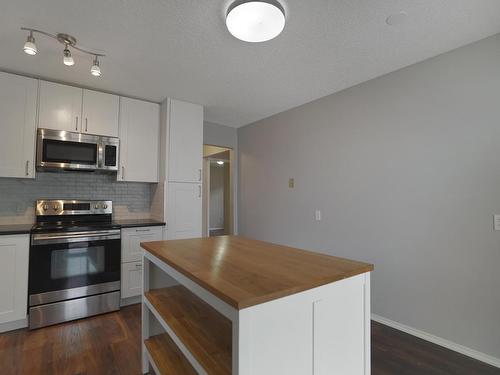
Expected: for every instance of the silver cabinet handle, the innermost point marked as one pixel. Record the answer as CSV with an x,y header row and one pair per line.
x,y
143,230
86,124
199,178
27,168
123,172
76,123
138,265
199,191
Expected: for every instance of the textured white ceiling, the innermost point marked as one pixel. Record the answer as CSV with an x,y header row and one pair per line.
x,y
160,48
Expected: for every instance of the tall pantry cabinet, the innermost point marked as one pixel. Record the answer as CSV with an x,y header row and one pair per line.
x,y
182,138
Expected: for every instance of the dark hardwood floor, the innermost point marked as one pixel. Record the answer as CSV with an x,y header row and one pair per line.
x,y
395,352
110,345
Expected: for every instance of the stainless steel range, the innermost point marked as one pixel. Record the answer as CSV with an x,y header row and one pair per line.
x,y
75,257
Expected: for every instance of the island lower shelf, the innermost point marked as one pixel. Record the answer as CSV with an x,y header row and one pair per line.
x,y
198,327
210,311
166,356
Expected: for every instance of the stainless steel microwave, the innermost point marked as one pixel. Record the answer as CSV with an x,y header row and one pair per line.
x,y
68,151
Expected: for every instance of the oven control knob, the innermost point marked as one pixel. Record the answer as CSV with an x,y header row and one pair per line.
x,y
56,207
105,206
45,207
96,206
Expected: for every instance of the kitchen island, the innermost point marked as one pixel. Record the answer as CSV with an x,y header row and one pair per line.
x,y
231,305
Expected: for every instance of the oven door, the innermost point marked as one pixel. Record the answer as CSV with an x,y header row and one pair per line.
x,y
65,266
66,150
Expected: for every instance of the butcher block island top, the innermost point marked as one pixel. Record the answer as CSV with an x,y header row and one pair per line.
x,y
244,272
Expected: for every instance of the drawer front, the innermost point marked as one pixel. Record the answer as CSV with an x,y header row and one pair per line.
x,y
131,279
132,238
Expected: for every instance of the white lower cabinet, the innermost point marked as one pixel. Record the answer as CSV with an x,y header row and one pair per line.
x,y
131,277
14,260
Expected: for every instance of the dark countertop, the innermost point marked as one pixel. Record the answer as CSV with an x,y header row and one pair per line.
x,y
15,229
132,223
128,223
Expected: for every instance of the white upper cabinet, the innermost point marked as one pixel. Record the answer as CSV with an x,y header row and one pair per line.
x,y
74,109
185,142
100,113
18,97
139,140
60,107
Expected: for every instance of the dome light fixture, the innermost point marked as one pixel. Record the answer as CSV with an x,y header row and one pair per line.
x,y
68,59
95,70
30,46
69,42
220,162
255,21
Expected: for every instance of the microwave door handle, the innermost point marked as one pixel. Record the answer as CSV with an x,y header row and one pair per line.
x,y
100,156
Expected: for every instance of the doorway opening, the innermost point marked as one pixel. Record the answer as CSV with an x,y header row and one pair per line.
x,y
217,191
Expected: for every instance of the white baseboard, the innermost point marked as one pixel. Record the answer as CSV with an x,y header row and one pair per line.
x,y
16,324
439,341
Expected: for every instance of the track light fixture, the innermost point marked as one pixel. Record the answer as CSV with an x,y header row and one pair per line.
x,y
69,42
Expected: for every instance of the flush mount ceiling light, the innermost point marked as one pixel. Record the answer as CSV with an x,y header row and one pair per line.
x,y
69,42
255,21
220,162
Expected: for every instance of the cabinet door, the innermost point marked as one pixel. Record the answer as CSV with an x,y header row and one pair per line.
x,y
100,113
14,253
185,142
60,107
183,210
18,97
132,238
131,283
139,140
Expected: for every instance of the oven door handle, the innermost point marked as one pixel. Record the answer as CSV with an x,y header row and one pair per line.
x,y
69,237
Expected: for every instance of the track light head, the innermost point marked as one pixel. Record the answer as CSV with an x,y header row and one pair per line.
x,y
68,59
95,70
30,46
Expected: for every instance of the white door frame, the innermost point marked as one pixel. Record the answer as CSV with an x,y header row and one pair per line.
x,y
206,189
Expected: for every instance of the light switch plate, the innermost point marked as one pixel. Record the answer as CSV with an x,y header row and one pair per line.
x,y
496,222
291,183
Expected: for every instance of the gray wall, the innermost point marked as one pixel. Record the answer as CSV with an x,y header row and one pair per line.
x,y
406,171
18,196
219,135
225,136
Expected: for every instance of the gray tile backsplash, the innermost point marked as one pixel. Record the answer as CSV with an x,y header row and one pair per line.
x,y
18,196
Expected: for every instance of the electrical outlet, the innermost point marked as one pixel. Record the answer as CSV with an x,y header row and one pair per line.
x,y
291,183
317,215
496,222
